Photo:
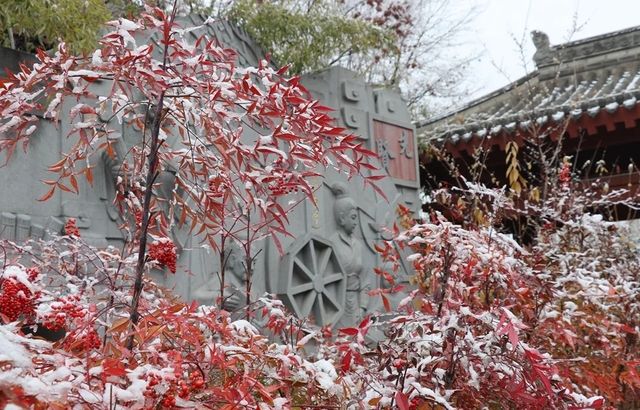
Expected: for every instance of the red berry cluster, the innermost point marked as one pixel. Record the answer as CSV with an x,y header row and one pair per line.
x,y
177,387
164,252
196,382
82,340
65,308
150,391
565,173
168,400
33,273
16,299
71,229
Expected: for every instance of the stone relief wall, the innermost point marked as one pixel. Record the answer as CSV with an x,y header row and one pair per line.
x,y
327,269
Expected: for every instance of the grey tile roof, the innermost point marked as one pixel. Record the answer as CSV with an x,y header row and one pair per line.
x,y
602,76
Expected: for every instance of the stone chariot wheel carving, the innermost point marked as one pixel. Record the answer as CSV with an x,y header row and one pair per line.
x,y
314,283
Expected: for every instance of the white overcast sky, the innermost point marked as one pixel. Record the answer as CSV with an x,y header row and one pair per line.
x,y
498,22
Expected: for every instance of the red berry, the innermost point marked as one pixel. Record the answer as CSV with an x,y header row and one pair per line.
x,y
164,252
169,400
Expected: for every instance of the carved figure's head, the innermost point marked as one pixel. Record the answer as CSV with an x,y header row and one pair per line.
x,y
345,209
540,40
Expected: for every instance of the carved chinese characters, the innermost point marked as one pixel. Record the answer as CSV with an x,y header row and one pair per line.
x,y
395,147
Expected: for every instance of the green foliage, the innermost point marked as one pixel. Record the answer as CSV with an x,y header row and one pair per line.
x,y
403,43
308,38
31,24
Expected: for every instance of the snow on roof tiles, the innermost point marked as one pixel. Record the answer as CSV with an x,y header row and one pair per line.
x,y
599,75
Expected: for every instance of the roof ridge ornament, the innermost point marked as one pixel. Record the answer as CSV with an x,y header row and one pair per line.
x,y
544,54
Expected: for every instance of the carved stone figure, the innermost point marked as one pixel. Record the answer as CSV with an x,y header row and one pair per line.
x,y
349,250
540,40
544,54
209,292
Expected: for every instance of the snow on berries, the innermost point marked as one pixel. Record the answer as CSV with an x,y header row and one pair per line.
x,y
82,339
163,251
63,311
18,294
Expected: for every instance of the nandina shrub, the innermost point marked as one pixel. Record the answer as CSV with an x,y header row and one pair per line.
x,y
184,355
458,340
223,152
590,322
457,343
587,313
216,149
465,338
582,306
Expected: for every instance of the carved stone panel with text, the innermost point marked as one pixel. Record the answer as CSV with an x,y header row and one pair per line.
x,y
395,146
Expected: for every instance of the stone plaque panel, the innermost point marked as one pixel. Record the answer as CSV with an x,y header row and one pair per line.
x,y
395,147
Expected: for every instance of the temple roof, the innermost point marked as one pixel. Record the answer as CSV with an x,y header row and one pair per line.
x,y
594,79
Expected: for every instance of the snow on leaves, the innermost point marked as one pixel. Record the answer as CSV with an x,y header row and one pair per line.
x,y
490,323
241,125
